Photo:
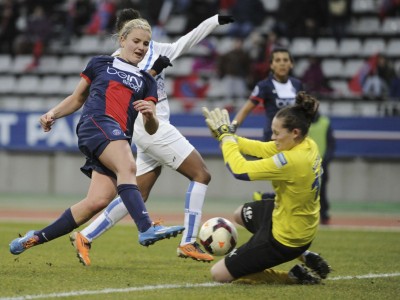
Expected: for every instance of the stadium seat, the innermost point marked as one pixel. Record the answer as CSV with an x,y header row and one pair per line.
x,y
372,46
302,46
8,83
5,63
300,65
28,84
87,44
51,84
349,47
332,67
176,24
71,64
393,48
364,6
365,26
326,47
48,64
12,103
271,5
69,84
352,66
340,87
20,63
391,26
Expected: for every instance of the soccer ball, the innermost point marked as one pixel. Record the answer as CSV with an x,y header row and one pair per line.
x,y
218,236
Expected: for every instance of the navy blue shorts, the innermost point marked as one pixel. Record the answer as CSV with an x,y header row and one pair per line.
x,y
94,135
262,251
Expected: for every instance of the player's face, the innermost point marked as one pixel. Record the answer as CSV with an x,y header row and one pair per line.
x,y
134,47
283,138
281,65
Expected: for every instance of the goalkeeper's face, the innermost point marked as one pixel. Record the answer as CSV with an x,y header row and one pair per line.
x,y
284,139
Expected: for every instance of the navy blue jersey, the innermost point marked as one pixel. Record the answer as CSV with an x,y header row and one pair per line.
x,y
114,86
274,95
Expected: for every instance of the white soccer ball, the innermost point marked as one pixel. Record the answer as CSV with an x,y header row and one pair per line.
x,y
218,236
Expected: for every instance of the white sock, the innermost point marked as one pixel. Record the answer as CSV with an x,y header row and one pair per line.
x,y
113,213
193,209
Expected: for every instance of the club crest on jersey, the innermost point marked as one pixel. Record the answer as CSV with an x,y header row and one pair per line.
x,y
116,132
132,81
279,160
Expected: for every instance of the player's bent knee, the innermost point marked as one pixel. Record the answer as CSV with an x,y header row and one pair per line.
x,y
237,215
220,273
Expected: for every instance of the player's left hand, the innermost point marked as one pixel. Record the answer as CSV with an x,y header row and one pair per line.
x,y
218,122
161,63
222,20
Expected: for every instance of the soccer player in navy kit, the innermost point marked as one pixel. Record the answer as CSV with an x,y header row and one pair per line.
x,y
167,147
278,90
285,228
112,92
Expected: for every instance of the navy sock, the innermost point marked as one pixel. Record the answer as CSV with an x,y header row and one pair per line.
x,y
134,203
62,226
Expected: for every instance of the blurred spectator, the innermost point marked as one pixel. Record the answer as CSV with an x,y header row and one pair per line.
x,y
248,14
36,36
8,29
314,79
394,92
206,63
339,13
377,83
389,8
234,68
300,18
199,10
77,17
103,19
259,49
321,132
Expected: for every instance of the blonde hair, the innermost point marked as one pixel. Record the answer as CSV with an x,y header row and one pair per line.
x,y
134,24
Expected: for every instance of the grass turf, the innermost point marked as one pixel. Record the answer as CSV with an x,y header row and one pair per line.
x,y
122,269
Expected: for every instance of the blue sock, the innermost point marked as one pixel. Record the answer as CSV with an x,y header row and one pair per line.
x,y
62,226
133,201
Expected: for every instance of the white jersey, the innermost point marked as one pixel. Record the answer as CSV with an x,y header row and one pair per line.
x,y
172,51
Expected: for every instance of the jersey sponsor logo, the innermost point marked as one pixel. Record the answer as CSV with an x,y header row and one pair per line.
x,y
279,160
132,81
283,102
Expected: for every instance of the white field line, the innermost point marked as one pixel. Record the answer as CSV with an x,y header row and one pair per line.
x,y
168,286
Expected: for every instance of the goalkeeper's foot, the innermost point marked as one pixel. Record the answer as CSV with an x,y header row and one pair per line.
x,y
319,265
258,196
302,275
194,251
82,247
157,232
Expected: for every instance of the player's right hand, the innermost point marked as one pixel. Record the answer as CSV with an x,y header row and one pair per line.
x,y
47,120
218,122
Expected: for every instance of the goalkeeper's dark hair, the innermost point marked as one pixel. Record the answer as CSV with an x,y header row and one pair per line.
x,y
124,16
301,114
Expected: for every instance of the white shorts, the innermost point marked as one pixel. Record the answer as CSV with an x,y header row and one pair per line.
x,y
166,147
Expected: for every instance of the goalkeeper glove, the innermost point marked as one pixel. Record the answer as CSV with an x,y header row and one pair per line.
x,y
160,64
222,20
218,122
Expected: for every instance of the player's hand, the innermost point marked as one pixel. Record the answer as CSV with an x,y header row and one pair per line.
x,y
218,122
161,63
47,120
222,20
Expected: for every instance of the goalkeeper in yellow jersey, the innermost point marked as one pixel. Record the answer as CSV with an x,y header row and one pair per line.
x,y
284,228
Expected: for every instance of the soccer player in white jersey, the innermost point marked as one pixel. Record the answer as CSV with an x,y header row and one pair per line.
x,y
167,147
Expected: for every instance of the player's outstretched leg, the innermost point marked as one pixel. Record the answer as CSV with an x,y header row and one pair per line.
x,y
193,251
158,232
19,245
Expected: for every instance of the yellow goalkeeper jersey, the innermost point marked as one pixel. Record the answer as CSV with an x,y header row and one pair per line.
x,y
295,177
